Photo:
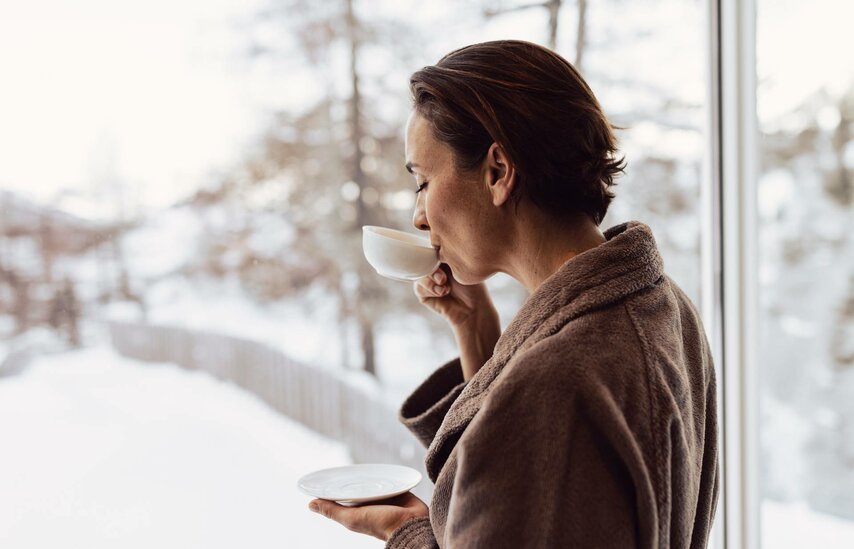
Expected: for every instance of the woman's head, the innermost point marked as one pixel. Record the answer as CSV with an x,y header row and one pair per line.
x,y
534,105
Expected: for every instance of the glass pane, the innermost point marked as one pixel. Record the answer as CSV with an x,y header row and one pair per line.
x,y
662,107
184,184
659,106
806,272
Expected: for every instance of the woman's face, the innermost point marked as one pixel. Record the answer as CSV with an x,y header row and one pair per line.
x,y
456,209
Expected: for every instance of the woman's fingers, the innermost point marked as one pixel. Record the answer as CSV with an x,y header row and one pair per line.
x,y
428,286
439,276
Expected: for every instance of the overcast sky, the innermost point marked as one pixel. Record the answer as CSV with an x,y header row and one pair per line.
x,y
147,90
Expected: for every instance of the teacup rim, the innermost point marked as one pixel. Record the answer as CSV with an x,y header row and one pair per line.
x,y
379,230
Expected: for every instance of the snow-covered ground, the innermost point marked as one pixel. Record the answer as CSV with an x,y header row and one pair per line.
x,y
99,451
794,525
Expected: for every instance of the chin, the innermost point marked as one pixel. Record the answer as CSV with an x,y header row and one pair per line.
x,y
467,277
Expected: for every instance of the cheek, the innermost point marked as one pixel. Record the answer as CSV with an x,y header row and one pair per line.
x,y
436,211
452,222
449,212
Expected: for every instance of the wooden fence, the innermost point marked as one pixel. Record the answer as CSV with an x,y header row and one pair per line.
x,y
346,406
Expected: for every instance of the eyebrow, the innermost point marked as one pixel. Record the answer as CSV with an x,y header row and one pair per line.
x,y
409,166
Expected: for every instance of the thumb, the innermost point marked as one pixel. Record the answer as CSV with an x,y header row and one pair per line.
x,y
328,509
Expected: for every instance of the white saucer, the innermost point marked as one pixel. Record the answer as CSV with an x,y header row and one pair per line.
x,y
360,483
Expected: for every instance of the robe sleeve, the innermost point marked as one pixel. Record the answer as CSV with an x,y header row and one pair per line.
x,y
546,464
425,409
413,534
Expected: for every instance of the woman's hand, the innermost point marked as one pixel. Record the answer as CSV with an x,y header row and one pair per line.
x,y
470,312
457,303
378,519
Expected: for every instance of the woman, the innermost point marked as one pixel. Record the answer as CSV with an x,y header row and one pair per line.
x,y
591,421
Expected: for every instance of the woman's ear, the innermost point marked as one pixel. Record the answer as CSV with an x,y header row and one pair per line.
x,y
500,174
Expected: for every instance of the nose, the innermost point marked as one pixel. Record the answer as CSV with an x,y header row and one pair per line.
x,y
419,217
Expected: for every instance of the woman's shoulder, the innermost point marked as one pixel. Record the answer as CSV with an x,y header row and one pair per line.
x,y
593,347
631,351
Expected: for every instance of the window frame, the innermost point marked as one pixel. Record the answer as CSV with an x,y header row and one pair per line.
x,y
729,263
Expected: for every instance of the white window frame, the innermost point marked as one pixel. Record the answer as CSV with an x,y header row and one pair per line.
x,y
729,263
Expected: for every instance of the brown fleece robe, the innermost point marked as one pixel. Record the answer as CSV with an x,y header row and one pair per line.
x,y
593,425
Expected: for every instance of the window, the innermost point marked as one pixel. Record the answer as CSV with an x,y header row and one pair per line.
x,y
805,107
214,222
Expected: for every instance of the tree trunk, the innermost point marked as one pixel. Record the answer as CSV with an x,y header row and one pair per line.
x,y
363,216
356,130
580,34
343,325
554,12
47,246
21,306
839,184
122,278
368,341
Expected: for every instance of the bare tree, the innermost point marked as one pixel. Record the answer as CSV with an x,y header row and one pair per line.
x,y
342,160
840,185
553,7
580,34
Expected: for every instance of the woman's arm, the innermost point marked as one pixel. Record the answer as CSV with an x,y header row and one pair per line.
x,y
538,467
469,311
476,339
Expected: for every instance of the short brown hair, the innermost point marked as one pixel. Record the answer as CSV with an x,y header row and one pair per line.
x,y
538,108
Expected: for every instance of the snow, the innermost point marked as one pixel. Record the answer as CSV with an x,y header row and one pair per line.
x,y
223,307
794,525
102,451
150,254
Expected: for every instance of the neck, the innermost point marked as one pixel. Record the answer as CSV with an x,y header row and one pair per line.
x,y
542,244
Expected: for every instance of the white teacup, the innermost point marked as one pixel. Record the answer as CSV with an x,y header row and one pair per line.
x,y
398,255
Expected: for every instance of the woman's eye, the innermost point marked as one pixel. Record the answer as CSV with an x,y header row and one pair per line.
x,y
420,187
